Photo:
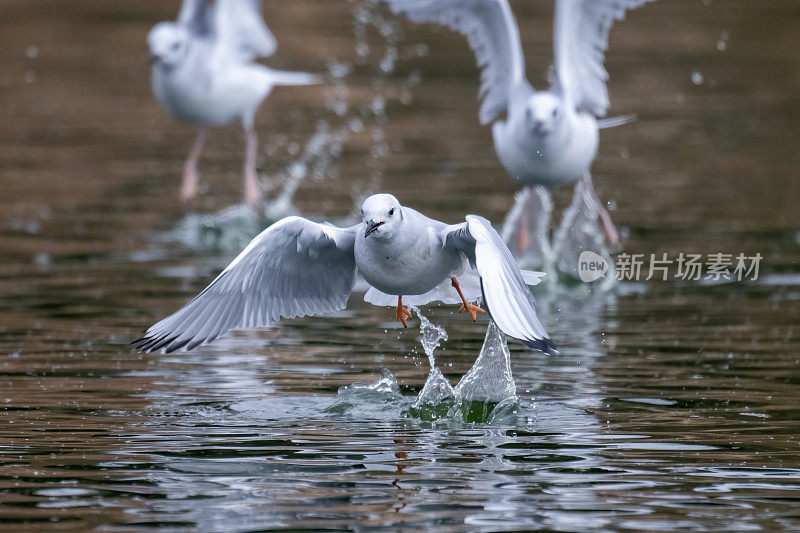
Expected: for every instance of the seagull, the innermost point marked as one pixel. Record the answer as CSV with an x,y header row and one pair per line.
x,y
204,73
545,139
297,268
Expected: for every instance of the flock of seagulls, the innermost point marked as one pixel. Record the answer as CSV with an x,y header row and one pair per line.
x,y
205,73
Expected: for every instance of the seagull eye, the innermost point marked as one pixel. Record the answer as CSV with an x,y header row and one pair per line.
x,y
555,112
391,211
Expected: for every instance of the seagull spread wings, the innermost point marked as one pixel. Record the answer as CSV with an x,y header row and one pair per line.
x,y
509,301
493,35
292,269
581,40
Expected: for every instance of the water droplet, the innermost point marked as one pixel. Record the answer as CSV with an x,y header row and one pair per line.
x,y
356,125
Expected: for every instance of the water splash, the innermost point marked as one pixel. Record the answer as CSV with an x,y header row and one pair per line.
x,y
436,399
486,393
316,161
229,229
579,231
490,379
431,336
526,229
385,385
360,399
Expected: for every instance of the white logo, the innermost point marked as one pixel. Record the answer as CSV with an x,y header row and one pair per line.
x,y
591,266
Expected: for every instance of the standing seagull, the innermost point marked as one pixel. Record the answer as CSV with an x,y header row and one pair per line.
x,y
544,138
297,267
204,73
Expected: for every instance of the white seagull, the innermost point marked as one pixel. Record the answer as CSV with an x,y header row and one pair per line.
x,y
297,267
548,138
204,73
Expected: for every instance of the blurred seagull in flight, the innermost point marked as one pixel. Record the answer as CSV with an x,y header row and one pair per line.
x,y
297,268
543,138
204,73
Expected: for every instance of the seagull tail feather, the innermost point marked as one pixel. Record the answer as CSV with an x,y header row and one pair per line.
x,y
282,77
615,121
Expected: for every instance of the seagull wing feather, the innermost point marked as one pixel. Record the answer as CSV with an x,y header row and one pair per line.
x,y
505,292
241,30
493,35
293,268
580,42
197,16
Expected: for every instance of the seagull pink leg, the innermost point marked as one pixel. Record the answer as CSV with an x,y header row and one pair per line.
x,y
189,183
251,193
524,237
473,310
610,231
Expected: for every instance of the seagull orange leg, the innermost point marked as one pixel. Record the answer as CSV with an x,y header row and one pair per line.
x,y
473,310
402,312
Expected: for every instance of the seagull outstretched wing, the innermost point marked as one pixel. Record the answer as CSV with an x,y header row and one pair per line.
x,y
241,30
493,35
292,269
505,291
580,43
197,16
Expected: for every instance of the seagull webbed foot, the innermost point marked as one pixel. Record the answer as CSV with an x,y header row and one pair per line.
x,y
473,310
402,312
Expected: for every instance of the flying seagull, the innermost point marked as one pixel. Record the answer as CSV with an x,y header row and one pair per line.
x,y
547,138
204,73
297,268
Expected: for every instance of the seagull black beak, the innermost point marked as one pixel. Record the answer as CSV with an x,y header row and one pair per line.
x,y
372,226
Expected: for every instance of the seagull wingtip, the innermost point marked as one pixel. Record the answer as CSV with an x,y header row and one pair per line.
x,y
544,345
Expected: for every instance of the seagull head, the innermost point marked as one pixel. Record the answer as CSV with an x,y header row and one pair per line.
x,y
382,216
169,44
543,113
